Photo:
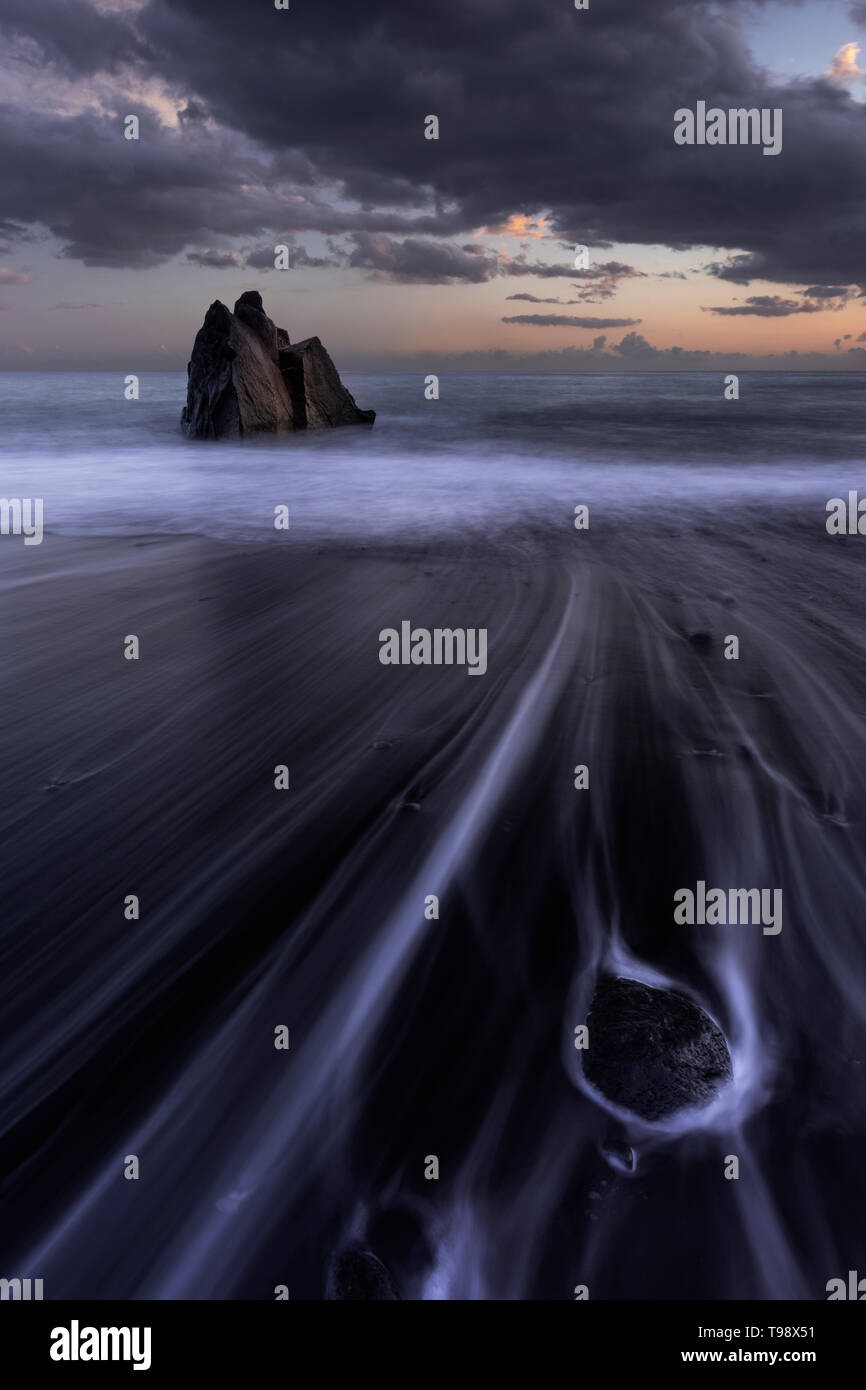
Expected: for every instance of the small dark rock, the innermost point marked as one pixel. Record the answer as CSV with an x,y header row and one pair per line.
x,y
652,1051
700,639
356,1274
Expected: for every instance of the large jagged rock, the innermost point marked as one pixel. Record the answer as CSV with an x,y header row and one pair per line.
x,y
652,1051
246,377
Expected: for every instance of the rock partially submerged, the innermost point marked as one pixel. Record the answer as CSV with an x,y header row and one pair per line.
x,y
355,1274
652,1051
246,377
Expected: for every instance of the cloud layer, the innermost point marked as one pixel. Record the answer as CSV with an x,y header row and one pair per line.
x,y
258,123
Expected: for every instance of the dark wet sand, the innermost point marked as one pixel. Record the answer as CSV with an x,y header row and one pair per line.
x,y
412,1037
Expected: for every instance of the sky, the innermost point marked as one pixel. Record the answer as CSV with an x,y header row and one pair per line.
x,y
306,127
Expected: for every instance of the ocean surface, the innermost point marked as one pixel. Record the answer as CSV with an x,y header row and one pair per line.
x,y
493,450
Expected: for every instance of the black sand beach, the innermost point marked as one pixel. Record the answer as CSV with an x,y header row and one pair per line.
x,y
413,1037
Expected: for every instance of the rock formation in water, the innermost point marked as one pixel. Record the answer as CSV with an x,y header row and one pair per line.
x,y
246,377
652,1051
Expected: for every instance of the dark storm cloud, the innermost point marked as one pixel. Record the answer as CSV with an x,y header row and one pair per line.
x,y
764,306
608,270
76,37
418,261
114,202
424,261
262,258
635,345
520,265
568,321
533,299
738,270
542,109
827,292
213,260
193,111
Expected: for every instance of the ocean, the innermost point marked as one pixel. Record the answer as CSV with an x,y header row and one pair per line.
x,y
494,450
